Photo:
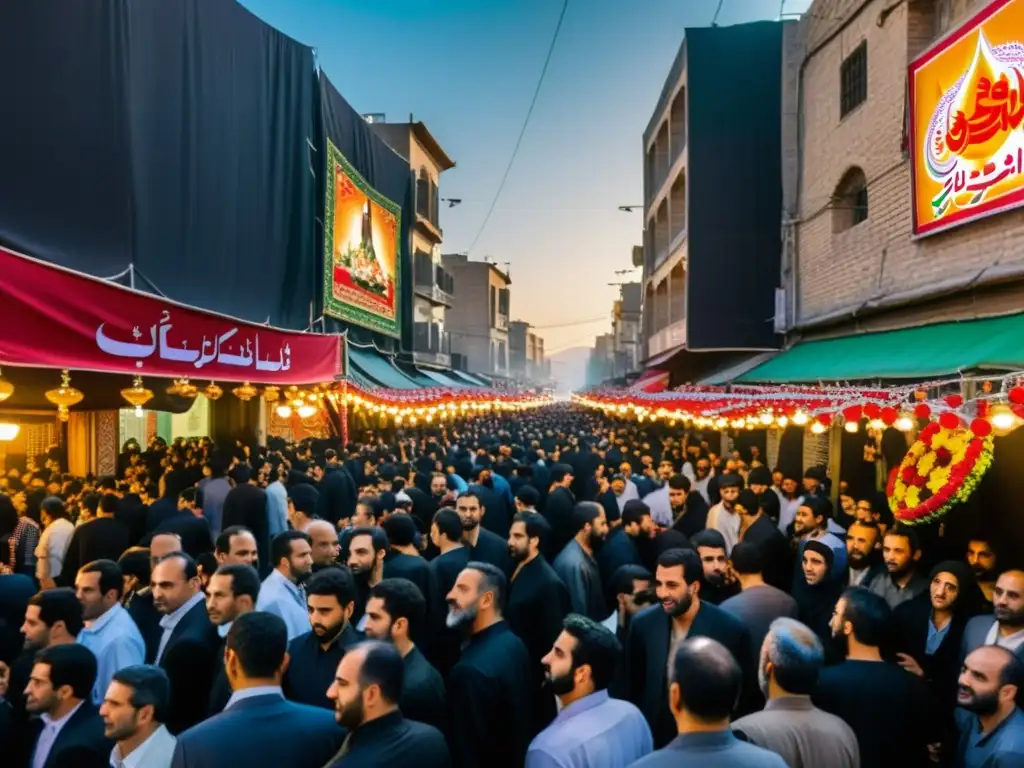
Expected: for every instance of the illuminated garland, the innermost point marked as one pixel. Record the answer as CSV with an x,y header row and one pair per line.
x,y
437,404
942,468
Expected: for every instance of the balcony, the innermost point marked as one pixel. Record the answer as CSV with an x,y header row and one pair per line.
x,y
501,322
430,229
667,338
431,345
432,282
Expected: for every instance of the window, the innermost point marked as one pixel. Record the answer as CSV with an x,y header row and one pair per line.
x,y
423,193
853,80
850,201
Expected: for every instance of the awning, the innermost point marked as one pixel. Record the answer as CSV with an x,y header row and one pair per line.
x,y
472,380
918,353
443,379
52,317
732,372
415,375
664,357
372,365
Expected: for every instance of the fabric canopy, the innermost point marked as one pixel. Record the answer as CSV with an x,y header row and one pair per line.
x,y
374,366
664,357
910,353
416,375
473,381
440,378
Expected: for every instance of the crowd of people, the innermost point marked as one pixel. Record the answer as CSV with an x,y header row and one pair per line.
x,y
547,589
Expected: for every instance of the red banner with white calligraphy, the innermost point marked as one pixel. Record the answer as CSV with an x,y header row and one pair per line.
x,y
51,317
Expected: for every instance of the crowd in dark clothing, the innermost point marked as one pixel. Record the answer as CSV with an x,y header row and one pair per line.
x,y
544,589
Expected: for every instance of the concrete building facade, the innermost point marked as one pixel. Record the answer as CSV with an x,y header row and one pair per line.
x,y
433,287
527,363
626,326
851,263
478,320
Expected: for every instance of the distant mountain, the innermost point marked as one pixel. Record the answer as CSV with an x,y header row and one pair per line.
x,y
569,368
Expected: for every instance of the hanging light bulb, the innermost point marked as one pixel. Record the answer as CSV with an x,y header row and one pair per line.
x,y
904,423
851,426
876,424
306,411
1003,420
284,411
818,428
766,418
800,418
782,421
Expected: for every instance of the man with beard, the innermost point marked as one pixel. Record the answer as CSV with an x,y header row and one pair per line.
x,y
901,552
689,511
591,729
133,710
723,517
69,731
366,691
314,655
631,589
233,591
259,726
790,725
981,556
656,631
887,708
1005,625
558,506
453,555
397,613
281,592
484,545
862,553
717,583
991,725
537,604
109,631
488,691
366,551
620,549
576,565
188,644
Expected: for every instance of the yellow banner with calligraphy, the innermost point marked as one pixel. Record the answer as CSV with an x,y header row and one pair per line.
x,y
966,130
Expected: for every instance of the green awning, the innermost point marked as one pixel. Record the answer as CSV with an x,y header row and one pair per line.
x,y
373,365
444,380
918,353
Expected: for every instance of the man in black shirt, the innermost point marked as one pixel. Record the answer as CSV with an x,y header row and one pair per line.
x,y
715,585
365,694
488,692
404,560
886,706
233,591
330,598
367,548
396,613
483,545
620,547
104,538
446,536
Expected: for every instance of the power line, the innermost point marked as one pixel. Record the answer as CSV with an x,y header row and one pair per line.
x,y
526,122
717,11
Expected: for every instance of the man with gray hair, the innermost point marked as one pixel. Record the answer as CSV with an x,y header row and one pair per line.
x,y
790,725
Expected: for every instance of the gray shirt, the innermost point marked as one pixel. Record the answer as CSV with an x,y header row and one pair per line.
x,y
714,749
895,595
1002,747
758,607
579,572
805,736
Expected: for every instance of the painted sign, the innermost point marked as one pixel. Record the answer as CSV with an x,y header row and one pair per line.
x,y
362,250
966,112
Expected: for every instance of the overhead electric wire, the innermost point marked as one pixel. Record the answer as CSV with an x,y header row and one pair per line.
x,y
718,10
526,122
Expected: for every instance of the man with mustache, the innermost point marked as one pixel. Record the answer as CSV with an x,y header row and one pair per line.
x,y
233,591
365,693
1005,625
488,689
282,592
656,631
330,597
576,564
366,552
591,729
981,556
991,725
861,553
901,553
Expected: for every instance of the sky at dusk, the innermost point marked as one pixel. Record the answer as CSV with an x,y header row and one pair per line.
x,y
468,70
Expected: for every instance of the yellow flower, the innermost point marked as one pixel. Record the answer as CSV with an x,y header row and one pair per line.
x,y
926,463
913,497
938,479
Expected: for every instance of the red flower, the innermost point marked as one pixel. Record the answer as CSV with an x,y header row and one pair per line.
x,y
908,474
943,457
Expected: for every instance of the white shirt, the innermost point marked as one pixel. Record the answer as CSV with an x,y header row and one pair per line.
x,y
1010,642
725,522
48,736
857,575
701,487
171,620
612,623
660,506
787,511
53,547
155,752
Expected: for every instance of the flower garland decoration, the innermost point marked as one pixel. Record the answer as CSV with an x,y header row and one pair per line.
x,y
941,469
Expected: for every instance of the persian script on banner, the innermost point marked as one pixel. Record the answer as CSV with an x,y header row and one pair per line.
x,y
967,121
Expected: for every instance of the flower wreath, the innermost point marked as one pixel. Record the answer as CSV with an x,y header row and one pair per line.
x,y
941,469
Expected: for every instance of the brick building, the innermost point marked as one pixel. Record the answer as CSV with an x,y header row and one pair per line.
x,y
850,263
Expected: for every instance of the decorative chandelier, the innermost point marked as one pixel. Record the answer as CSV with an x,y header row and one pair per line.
x,y
6,389
212,392
271,394
65,396
183,388
137,395
246,392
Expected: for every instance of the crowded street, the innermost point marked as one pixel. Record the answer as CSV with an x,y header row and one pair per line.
x,y
651,395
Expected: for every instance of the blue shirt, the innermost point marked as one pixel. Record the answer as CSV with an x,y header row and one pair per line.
x,y
1002,747
277,508
593,732
935,637
713,748
116,643
279,596
214,490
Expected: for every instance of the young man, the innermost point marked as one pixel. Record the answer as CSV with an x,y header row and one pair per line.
x,y
133,710
233,591
901,553
281,592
